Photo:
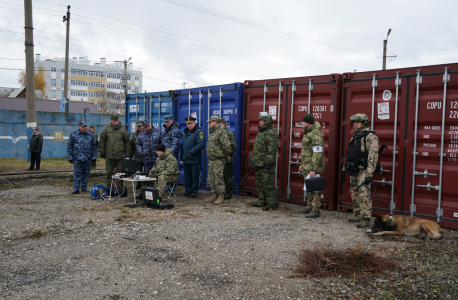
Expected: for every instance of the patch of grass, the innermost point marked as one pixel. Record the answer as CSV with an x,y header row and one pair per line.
x,y
21,164
37,233
122,218
90,222
232,211
387,296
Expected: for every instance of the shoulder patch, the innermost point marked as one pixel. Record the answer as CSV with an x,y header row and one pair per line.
x,y
201,135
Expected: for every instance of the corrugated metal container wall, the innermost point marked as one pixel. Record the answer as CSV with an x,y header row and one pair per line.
x,y
414,112
149,106
204,102
288,100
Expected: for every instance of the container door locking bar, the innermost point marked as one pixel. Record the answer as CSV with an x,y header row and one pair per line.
x,y
293,89
413,207
397,83
280,89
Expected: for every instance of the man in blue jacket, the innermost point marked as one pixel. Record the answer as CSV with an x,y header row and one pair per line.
x,y
191,146
172,135
81,152
146,144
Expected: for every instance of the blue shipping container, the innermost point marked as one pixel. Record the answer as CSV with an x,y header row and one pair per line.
x,y
149,106
202,103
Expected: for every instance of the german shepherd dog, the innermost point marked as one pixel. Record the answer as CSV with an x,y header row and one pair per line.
x,y
404,225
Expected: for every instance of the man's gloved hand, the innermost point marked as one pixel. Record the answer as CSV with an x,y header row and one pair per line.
x,y
342,175
367,180
70,161
103,155
267,165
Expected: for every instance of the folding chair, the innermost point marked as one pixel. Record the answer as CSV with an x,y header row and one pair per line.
x,y
170,190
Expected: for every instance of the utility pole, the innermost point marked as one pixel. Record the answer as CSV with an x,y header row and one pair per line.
x,y
384,50
66,19
124,82
29,71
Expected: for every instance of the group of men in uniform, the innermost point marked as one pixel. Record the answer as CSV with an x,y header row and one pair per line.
x,y
157,152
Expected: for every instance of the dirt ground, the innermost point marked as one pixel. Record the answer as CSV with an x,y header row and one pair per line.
x,y
60,246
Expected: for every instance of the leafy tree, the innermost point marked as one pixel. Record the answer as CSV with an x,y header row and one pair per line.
x,y
40,82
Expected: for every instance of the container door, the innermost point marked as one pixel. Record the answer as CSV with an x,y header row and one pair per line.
x,y
137,110
159,105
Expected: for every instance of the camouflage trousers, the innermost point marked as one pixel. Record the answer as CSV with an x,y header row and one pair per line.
x,y
361,197
111,165
94,164
265,185
228,182
216,175
81,170
162,181
314,200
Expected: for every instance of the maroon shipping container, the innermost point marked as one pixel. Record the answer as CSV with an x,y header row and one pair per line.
x,y
414,111
288,100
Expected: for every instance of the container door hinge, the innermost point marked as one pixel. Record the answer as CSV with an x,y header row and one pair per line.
x,y
374,82
439,212
397,81
413,208
446,77
288,191
429,186
419,80
392,206
425,173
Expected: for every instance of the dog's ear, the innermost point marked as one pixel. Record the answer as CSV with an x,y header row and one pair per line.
x,y
378,218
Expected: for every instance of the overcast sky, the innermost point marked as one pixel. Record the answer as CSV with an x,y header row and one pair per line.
x,y
217,42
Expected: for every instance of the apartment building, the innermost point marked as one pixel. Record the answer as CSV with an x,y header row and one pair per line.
x,y
87,80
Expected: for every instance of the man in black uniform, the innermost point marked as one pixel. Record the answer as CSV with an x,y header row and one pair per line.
x,y
35,147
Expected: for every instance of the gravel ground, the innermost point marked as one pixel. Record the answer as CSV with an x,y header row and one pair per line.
x,y
93,249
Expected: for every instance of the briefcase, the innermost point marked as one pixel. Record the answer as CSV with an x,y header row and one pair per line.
x,y
128,166
315,184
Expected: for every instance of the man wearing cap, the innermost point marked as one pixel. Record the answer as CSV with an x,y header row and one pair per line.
x,y
361,161
114,145
191,146
146,144
229,161
96,138
263,160
166,169
81,150
35,148
312,161
218,149
172,135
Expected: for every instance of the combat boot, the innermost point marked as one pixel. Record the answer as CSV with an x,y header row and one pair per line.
x,y
220,199
314,214
355,219
212,198
364,223
306,210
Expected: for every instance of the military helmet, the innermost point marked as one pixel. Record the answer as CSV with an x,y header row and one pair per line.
x,y
360,118
265,117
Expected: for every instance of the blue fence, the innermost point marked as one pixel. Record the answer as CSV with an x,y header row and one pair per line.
x,y
202,103
54,126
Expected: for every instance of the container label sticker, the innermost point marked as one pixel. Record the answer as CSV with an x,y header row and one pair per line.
x,y
194,115
455,215
133,108
149,195
273,112
383,111
132,127
386,95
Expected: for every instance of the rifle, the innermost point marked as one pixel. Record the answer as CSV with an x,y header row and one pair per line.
x,y
244,178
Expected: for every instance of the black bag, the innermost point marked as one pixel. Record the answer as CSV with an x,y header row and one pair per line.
x,y
315,184
117,190
128,166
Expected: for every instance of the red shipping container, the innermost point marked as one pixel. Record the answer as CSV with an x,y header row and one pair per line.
x,y
414,111
288,100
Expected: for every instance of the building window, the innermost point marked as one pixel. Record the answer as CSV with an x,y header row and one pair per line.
x,y
53,69
79,72
79,93
79,83
53,82
53,94
137,78
137,90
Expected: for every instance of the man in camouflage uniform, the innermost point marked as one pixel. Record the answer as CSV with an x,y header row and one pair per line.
x,y
133,149
229,161
172,135
166,169
146,144
218,149
81,150
312,161
96,138
114,145
263,160
362,157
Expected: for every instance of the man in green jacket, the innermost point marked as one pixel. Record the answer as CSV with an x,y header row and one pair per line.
x,y
218,149
165,169
263,160
133,149
114,145
96,138
312,161
229,161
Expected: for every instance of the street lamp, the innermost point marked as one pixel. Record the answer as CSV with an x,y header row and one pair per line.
x,y
384,49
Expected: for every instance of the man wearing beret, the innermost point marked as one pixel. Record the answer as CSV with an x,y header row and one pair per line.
x,y
166,169
172,135
114,145
35,148
229,161
312,161
218,149
191,147
81,150
147,142
96,138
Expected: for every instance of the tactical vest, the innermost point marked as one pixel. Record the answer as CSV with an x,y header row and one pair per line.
x,y
357,159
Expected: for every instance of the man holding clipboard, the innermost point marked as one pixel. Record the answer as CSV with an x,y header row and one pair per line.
x,y
312,161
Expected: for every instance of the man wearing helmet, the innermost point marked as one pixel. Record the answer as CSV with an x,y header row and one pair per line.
x,y
263,160
362,157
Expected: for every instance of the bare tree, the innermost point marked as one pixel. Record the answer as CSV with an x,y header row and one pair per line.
x,y
111,102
